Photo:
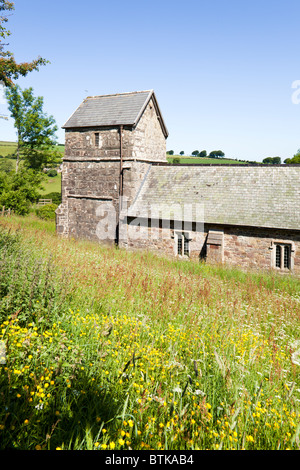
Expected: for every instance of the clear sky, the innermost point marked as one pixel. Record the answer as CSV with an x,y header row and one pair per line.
x,y
222,70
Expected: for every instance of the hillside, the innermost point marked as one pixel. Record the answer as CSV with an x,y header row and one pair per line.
x,y
204,161
7,149
109,349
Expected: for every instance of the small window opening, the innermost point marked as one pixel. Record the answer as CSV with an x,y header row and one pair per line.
x,y
97,139
183,244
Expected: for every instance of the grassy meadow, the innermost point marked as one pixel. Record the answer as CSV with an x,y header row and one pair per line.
x,y
102,348
204,160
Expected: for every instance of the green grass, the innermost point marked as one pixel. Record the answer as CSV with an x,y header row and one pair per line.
x,y
7,148
52,184
113,349
210,161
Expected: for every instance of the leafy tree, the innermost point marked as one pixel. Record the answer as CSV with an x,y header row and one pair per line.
x,y
9,69
170,152
295,159
216,154
272,160
202,154
195,153
36,130
182,152
19,190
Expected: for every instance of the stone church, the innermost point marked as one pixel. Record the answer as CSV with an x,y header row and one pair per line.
x,y
117,187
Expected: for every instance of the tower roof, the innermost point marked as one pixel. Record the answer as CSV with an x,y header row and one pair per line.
x,y
114,110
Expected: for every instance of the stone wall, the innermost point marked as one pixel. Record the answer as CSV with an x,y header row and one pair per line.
x,y
82,143
254,247
243,247
149,141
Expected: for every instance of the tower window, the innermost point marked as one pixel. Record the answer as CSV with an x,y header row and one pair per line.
x,y
97,139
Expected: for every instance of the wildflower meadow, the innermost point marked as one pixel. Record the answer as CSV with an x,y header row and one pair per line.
x,y
106,349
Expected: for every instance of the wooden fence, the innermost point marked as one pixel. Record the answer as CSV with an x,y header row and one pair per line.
x,y
43,202
5,212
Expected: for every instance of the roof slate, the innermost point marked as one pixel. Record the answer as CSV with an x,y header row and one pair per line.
x,y
110,110
265,196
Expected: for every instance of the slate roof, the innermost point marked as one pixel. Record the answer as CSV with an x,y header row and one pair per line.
x,y
112,110
262,196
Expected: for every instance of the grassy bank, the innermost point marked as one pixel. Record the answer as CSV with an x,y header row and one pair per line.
x,y
108,349
204,160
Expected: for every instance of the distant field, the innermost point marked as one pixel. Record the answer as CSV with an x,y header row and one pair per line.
x,y
211,161
52,185
9,148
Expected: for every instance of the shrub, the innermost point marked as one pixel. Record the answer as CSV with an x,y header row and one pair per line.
x,y
46,212
52,173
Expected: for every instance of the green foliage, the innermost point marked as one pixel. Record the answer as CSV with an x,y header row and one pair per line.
x,y
46,212
27,284
9,69
36,130
20,190
195,153
216,154
294,160
6,165
170,152
272,160
52,173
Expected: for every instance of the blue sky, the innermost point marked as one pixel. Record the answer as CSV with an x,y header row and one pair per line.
x,y
222,70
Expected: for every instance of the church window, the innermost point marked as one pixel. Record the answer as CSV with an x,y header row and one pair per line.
x,y
282,256
183,244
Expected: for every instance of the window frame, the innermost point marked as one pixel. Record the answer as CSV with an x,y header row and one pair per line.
x,y
283,252
183,239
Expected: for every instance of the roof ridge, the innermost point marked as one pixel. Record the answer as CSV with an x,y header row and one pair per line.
x,y
118,94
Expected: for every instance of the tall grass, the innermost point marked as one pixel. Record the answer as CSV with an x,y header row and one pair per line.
x,y
109,349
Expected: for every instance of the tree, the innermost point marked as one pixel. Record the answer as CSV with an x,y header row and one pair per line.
x,y
295,159
272,160
202,154
170,152
182,152
19,190
195,153
9,69
216,154
35,130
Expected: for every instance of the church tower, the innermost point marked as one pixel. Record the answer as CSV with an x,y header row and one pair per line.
x,y
110,142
